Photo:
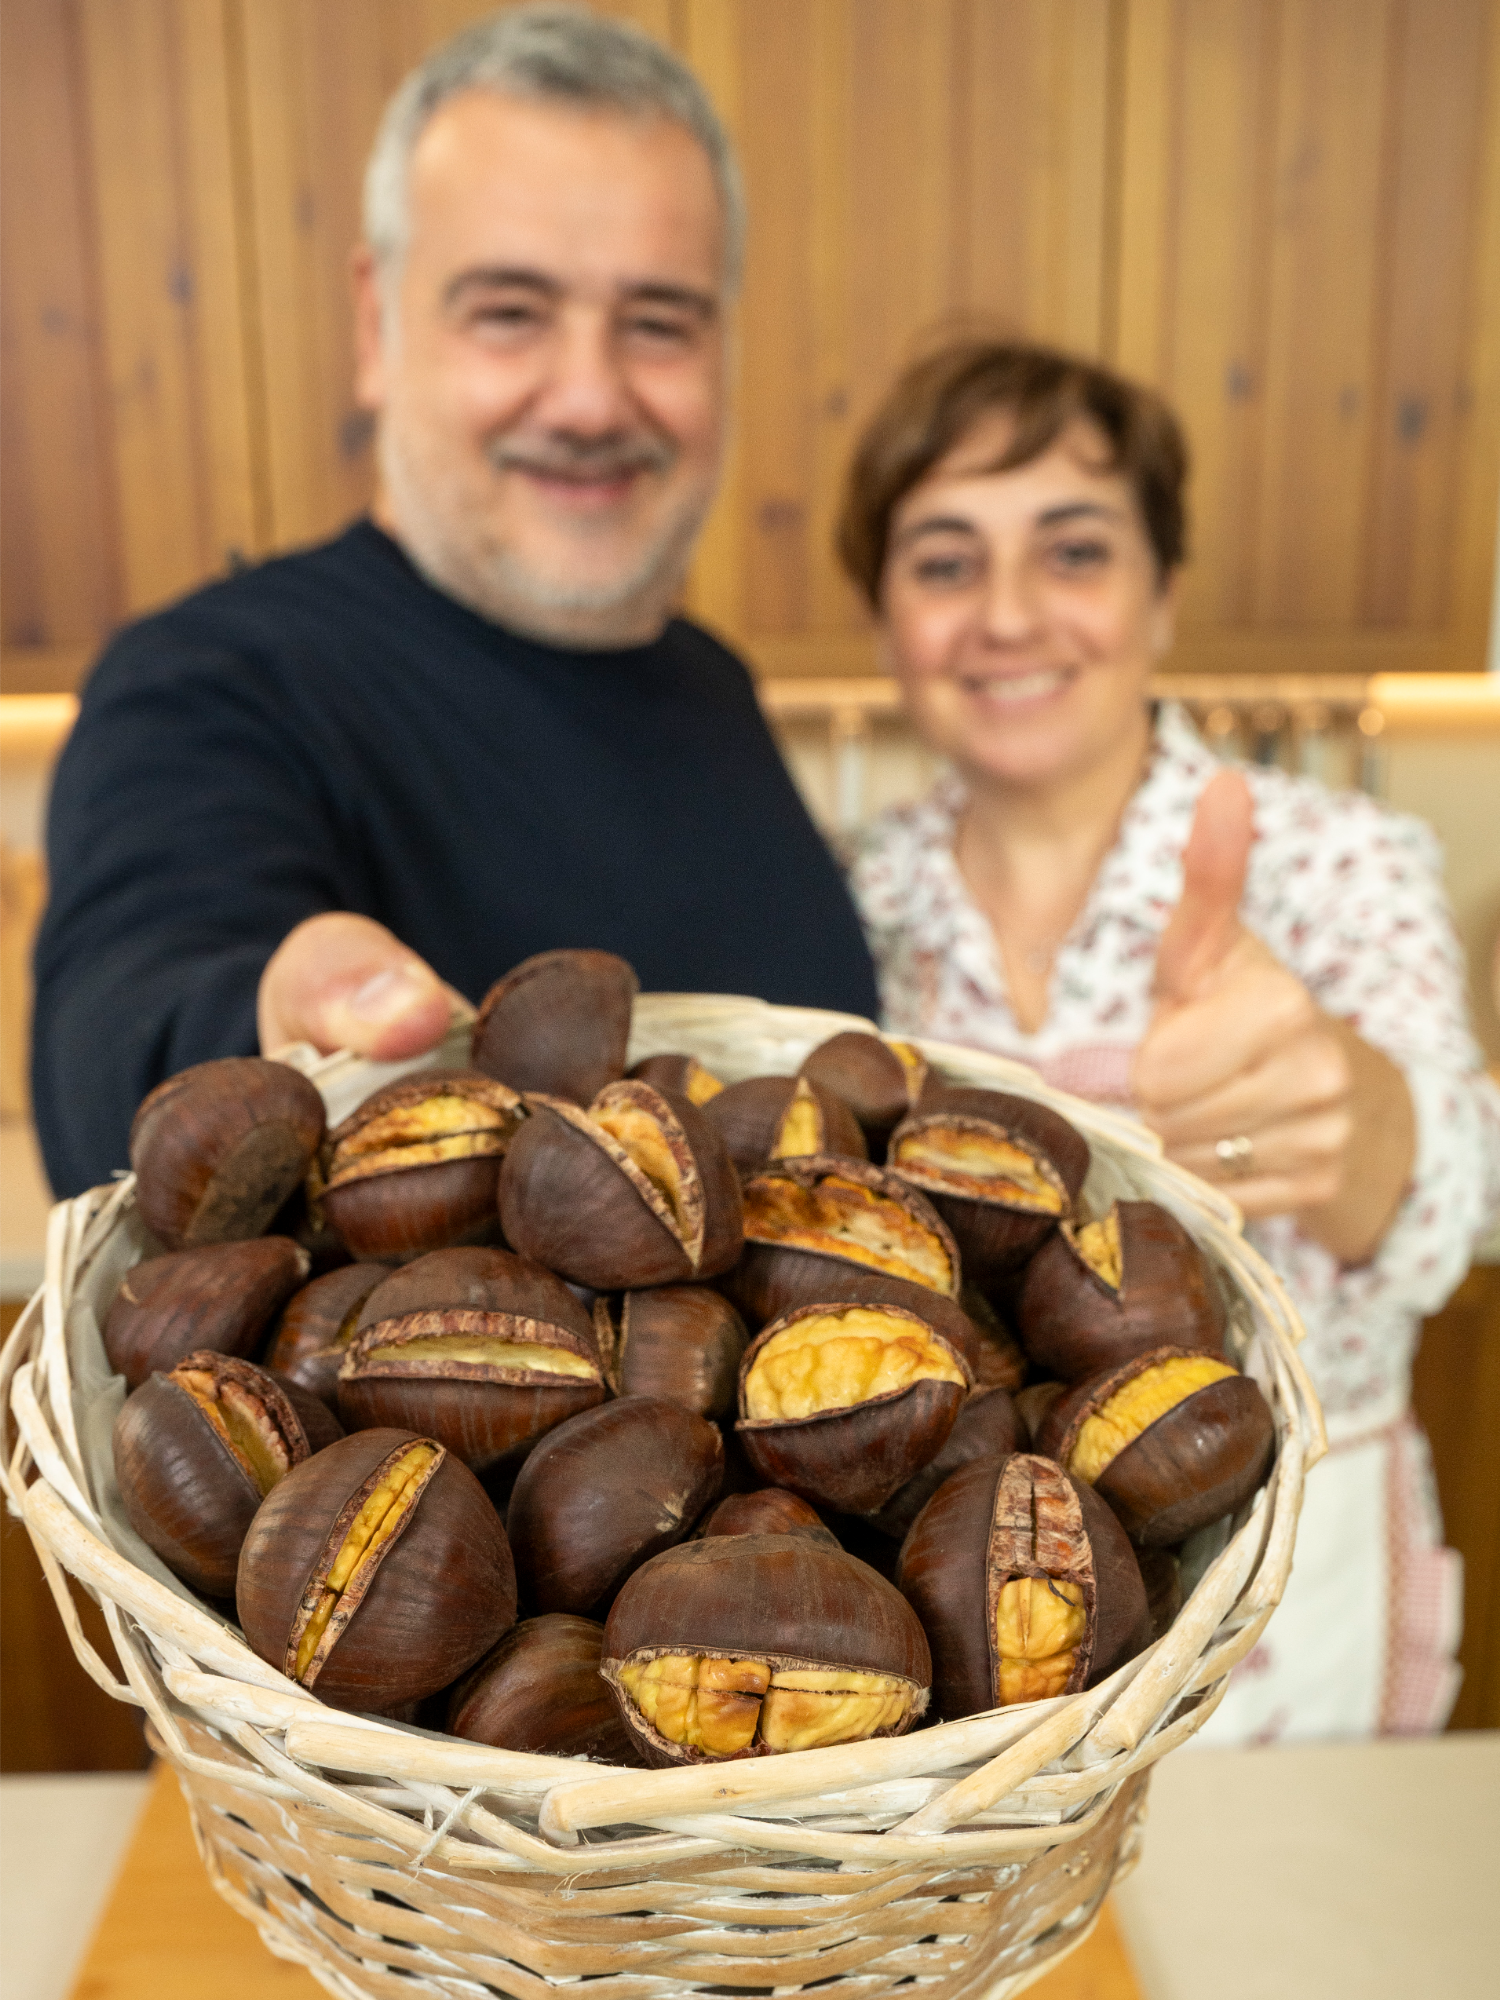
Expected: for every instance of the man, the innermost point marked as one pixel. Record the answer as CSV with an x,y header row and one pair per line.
x,y
315,797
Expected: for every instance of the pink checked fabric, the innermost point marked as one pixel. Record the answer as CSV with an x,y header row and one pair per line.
x,y
1349,895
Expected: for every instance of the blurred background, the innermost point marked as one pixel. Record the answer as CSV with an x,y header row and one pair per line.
x,y
1284,213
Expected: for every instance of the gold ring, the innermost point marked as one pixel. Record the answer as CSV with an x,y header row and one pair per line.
x,y
1236,1156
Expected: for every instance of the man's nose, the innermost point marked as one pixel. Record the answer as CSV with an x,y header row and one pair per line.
x,y
585,391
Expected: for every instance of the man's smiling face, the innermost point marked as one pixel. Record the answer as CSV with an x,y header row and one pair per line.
x,y
548,364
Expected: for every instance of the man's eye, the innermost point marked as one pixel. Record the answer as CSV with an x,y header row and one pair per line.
x,y
507,317
658,330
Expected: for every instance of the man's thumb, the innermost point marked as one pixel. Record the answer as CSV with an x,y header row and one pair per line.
x,y
344,982
1205,923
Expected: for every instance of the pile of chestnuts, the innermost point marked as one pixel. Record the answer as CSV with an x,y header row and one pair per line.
x,y
783,1413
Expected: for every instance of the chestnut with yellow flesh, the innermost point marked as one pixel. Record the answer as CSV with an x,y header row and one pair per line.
x,y
979,1163
440,1127
382,1515
1039,1625
649,1146
488,1353
1099,1247
242,1422
842,1218
1139,1402
802,1128
831,1361
722,1707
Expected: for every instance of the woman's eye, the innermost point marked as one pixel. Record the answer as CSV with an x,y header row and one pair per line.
x,y
1075,558
940,570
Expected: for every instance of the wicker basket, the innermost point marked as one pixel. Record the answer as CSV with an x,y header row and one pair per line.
x,y
389,1861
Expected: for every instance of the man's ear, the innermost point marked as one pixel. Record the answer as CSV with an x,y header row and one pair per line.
x,y
369,330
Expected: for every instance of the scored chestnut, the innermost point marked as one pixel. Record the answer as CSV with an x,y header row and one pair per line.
x,y
479,1348
316,1326
197,1450
220,1295
219,1147
880,1081
417,1165
783,1117
376,1573
1098,1292
603,1493
1172,1439
540,1690
746,1645
679,1074
843,1403
1024,1582
558,1024
1002,1171
987,1426
683,1342
770,1510
810,1223
637,1190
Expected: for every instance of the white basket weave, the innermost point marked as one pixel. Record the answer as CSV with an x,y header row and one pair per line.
x,y
392,1862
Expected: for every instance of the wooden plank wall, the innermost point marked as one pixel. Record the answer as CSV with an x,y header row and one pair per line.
x,y
1285,212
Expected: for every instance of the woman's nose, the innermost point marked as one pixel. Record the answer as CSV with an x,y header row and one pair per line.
x,y
1012,603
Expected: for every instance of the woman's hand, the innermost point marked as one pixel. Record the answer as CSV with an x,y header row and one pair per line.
x,y
1247,1080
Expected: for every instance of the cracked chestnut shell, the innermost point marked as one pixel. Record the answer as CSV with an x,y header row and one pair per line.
x,y
219,1147
745,1645
557,1024
783,1117
812,1226
376,1573
1172,1439
678,1074
683,1342
540,1691
987,1426
770,1510
221,1295
1098,1292
880,1081
317,1324
1002,1171
637,1190
603,1493
843,1403
417,1165
1024,1582
481,1349
197,1450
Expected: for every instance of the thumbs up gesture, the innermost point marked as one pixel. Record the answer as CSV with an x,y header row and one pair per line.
x,y
1246,1079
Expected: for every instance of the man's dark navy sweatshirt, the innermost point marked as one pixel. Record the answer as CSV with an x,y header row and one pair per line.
x,y
329,732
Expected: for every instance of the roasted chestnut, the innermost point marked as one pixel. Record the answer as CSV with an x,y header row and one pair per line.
x,y
770,1510
1172,1440
197,1450
1000,1363
317,1324
743,1645
540,1691
683,1342
1034,1401
783,1117
679,1075
1098,1292
478,1348
1002,1172
219,1147
880,1081
558,1023
637,1190
1025,1585
416,1166
221,1295
988,1425
843,1403
810,1223
604,1492
376,1573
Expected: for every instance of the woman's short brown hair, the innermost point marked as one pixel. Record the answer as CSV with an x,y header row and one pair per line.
x,y
939,399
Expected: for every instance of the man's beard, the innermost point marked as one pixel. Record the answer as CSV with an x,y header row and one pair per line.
x,y
453,549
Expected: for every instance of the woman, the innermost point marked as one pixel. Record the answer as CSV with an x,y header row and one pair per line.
x,y
1280,995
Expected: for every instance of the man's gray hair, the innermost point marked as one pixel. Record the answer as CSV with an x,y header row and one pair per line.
x,y
560,53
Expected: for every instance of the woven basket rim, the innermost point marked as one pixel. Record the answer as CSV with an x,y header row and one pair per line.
x,y
1004,1784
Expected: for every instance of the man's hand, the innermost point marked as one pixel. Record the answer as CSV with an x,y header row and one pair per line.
x,y
1239,1051
344,982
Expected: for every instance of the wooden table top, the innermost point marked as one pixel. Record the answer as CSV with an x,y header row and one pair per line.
x,y
165,1934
